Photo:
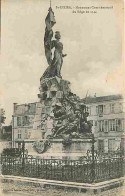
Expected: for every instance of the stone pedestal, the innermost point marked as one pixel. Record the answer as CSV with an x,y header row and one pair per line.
x,y
63,115
74,151
52,91
58,150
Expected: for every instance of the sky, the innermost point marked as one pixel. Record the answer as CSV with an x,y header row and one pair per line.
x,y
92,42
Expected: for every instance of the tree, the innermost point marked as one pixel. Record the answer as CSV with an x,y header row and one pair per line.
x,y
2,120
6,133
2,116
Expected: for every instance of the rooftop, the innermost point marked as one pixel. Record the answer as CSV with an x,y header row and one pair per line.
x,y
29,108
102,98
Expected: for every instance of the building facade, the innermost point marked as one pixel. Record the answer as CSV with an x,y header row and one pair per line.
x,y
108,117
26,117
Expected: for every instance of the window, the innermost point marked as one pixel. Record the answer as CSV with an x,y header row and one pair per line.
x,y
23,123
100,109
18,121
101,146
112,107
112,125
106,126
122,124
19,134
111,145
120,107
101,125
118,124
25,120
32,108
123,143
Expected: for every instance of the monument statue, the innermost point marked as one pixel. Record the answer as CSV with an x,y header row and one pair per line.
x,y
63,113
55,61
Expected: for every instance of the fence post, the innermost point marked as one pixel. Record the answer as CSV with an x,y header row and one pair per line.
x,y
93,159
122,161
23,156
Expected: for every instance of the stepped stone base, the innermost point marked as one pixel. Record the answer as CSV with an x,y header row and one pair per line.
x,y
18,183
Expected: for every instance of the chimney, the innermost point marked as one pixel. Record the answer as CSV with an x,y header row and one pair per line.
x,y
14,107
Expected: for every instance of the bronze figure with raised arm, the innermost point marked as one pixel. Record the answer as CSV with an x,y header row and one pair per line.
x,y
55,63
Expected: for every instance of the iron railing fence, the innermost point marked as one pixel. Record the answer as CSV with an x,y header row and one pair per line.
x,y
86,171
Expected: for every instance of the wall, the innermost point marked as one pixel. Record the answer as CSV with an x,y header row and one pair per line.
x,y
25,117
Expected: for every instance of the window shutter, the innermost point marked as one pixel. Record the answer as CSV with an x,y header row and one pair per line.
x,y
105,126
109,125
97,110
122,124
104,109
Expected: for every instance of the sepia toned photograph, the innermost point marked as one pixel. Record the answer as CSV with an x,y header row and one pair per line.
x,y
62,98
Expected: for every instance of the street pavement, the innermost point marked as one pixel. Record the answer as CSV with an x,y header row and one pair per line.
x,y
51,192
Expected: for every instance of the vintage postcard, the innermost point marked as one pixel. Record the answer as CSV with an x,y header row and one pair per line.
x,y
62,98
